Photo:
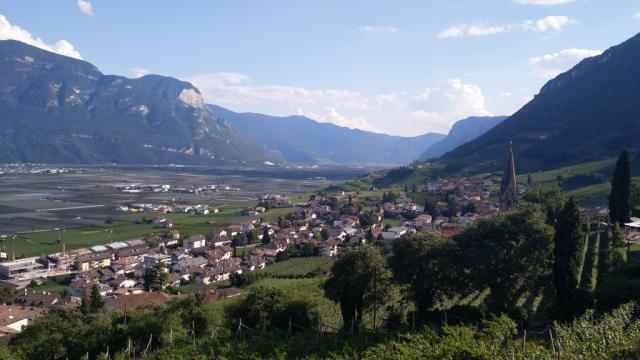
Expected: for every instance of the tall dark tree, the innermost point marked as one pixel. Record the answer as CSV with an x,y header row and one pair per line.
x,y
529,179
635,195
359,281
369,235
430,208
569,244
251,237
95,299
84,304
620,196
470,207
452,206
266,239
156,277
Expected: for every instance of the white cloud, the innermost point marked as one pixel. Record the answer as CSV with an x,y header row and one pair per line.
x,y
85,7
14,32
543,2
556,23
434,109
378,29
637,16
482,30
506,94
391,98
235,88
550,65
549,23
331,115
442,106
140,72
452,32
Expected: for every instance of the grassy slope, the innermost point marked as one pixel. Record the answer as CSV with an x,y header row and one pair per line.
x,y
592,195
567,171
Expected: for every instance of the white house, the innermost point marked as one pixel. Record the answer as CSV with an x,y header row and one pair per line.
x,y
398,230
328,248
16,318
194,242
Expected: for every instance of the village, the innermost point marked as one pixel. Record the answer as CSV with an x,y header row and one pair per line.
x,y
31,169
323,225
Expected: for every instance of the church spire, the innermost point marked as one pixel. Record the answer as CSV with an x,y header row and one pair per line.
x,y
509,188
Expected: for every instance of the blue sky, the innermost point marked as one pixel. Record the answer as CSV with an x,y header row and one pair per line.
x,y
398,67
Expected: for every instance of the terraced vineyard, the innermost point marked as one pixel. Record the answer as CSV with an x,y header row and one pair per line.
x,y
590,264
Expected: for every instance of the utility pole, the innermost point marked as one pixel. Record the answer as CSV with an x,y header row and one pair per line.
x,y
13,251
61,238
110,232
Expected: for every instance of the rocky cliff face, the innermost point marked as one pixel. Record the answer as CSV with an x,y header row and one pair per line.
x,y
58,109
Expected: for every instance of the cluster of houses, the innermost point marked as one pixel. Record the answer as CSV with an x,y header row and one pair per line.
x,y
118,271
199,209
31,169
273,200
165,188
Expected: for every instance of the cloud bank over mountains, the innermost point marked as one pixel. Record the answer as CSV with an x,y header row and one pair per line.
x,y
9,31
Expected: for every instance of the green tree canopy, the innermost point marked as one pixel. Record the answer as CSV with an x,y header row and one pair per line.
x,y
510,254
430,265
549,198
358,282
270,307
156,277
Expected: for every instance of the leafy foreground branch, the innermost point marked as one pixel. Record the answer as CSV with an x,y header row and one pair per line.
x,y
615,335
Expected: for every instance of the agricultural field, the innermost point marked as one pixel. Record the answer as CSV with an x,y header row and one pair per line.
x,y
299,267
46,242
34,208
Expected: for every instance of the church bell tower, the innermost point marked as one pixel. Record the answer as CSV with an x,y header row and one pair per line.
x,y
509,187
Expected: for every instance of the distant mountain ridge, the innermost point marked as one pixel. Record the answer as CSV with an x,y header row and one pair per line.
x,y
462,132
306,141
57,109
588,113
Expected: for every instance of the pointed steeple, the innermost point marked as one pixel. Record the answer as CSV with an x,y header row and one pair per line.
x,y
509,187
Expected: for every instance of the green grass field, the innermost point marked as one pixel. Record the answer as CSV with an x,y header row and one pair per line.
x,y
46,242
551,176
309,290
299,267
420,197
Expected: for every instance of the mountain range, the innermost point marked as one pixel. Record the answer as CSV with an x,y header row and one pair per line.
x,y
588,113
57,109
462,132
305,141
